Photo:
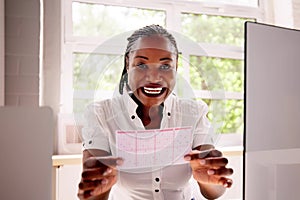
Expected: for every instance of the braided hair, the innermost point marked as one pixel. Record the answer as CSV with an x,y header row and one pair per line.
x,y
143,32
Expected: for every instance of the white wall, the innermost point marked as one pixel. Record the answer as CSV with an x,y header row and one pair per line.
x,y
296,13
283,13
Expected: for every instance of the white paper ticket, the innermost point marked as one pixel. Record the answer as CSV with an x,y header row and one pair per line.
x,y
155,147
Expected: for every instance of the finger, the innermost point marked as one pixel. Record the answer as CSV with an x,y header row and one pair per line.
x,y
84,194
89,185
225,182
98,173
93,173
217,180
89,191
196,154
106,184
220,172
94,162
214,162
205,147
215,153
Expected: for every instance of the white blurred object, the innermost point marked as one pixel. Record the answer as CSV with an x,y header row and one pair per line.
x,y
26,152
272,163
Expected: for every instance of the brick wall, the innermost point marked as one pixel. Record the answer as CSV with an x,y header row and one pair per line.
x,y
22,23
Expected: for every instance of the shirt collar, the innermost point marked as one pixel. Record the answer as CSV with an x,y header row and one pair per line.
x,y
131,105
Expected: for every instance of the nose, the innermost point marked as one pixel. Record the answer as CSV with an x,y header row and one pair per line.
x,y
153,75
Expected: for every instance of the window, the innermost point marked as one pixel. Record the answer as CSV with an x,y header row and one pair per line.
x,y
253,3
92,62
92,19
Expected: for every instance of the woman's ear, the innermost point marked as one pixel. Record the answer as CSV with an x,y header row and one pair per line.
x,y
127,63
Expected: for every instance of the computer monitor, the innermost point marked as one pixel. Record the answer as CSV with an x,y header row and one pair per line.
x,y
26,136
272,113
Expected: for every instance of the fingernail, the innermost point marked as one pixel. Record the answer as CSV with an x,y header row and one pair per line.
x,y
228,184
92,193
210,172
119,162
108,171
202,162
104,181
187,158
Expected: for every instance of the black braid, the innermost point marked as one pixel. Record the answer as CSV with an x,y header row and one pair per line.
x,y
143,32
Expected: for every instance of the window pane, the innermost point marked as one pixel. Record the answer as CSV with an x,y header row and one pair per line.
x,y
228,114
95,77
91,69
102,20
214,29
252,3
208,73
79,105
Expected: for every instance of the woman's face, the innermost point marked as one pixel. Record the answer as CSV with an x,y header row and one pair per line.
x,y
151,67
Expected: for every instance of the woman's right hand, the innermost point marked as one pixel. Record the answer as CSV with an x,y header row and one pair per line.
x,y
98,176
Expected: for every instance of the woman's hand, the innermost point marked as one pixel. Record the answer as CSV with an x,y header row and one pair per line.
x,y
209,170
98,176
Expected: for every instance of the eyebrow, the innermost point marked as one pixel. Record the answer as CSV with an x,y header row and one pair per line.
x,y
167,58
141,57
161,59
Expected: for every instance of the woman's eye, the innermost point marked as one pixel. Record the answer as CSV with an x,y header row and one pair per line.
x,y
165,67
142,66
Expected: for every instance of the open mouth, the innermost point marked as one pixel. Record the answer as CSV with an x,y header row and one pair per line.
x,y
153,91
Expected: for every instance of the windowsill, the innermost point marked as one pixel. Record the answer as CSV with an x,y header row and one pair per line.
x,y
60,160
76,159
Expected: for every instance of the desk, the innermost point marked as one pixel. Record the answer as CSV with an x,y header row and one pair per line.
x,y
60,160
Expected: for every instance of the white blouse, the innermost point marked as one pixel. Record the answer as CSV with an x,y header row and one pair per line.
x,y
104,118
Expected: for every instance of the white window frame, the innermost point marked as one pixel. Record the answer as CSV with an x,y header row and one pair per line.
x,y
173,10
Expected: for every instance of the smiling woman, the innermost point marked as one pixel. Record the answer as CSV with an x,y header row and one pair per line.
x,y
75,28
147,101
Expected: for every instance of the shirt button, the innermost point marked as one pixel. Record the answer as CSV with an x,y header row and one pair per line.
x,y
169,114
157,179
132,116
90,142
156,190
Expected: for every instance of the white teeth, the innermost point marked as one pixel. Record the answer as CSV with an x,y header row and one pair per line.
x,y
152,90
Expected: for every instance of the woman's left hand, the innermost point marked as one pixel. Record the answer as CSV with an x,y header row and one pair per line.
x,y
209,166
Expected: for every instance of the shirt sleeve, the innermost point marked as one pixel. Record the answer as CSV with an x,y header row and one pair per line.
x,y
203,131
95,131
